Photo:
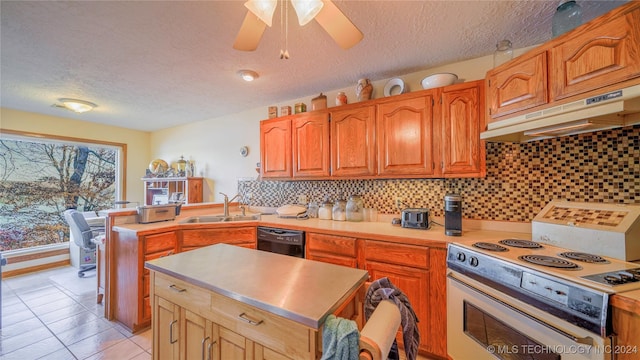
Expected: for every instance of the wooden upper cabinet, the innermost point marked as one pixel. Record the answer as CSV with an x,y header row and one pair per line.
x,y
518,86
462,121
606,53
352,141
404,132
310,136
275,148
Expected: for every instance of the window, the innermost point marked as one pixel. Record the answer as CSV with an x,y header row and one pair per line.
x,y
40,178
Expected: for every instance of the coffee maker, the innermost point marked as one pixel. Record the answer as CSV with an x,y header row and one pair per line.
x,y
453,215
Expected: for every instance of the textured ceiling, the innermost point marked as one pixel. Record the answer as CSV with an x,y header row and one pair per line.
x,y
156,64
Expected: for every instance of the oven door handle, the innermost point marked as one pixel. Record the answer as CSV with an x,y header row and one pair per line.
x,y
588,340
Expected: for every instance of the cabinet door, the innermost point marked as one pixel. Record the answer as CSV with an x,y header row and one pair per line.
x,y
602,55
154,246
518,85
194,190
232,346
166,329
463,120
275,148
415,284
352,142
311,145
339,250
404,131
197,335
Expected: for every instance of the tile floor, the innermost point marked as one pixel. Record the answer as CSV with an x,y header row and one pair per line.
x,y
53,314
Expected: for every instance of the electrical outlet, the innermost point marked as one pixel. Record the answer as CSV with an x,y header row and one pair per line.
x,y
399,202
302,199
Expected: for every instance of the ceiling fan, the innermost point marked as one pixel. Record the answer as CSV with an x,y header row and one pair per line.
x,y
326,13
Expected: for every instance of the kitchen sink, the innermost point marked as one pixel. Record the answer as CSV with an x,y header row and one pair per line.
x,y
219,218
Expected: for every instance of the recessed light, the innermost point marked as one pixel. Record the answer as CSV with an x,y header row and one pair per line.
x,y
248,75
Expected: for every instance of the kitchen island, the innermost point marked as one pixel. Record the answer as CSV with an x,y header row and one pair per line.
x,y
228,302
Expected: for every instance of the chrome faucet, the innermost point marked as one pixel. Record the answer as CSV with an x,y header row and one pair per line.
x,y
226,202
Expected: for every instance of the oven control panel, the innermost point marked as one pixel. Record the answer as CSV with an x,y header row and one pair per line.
x,y
616,277
547,288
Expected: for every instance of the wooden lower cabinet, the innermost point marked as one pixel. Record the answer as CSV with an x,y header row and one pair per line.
x,y
193,323
626,325
131,304
419,271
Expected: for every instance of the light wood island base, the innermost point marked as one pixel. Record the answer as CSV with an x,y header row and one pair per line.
x,y
202,313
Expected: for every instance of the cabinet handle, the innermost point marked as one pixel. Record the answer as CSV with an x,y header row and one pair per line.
x,y
177,289
244,317
169,253
171,341
209,349
204,341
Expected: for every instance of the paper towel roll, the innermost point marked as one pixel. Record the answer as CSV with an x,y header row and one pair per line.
x,y
379,332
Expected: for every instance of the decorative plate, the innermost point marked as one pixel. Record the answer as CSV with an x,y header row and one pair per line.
x,y
244,151
390,86
158,166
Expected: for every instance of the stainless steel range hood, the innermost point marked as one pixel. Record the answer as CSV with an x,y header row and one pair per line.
x,y
605,111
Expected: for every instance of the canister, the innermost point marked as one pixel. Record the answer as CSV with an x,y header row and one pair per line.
x,y
325,211
285,110
341,99
340,210
319,102
355,208
300,108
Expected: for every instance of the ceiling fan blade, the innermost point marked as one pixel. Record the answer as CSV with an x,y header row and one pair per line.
x,y
250,33
338,26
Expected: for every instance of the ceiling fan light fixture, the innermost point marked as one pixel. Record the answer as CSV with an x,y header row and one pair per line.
x,y
263,9
306,9
77,106
248,75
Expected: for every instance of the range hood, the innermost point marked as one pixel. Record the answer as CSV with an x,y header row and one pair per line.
x,y
604,111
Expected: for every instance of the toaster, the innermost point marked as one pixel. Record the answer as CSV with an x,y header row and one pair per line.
x,y
154,213
415,218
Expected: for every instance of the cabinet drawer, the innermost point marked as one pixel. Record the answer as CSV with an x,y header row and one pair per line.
x,y
198,238
271,331
408,255
181,293
159,242
335,245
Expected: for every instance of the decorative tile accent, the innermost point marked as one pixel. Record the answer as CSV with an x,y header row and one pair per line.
x,y
521,179
586,216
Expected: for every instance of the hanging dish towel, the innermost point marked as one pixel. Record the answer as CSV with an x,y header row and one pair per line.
x,y
340,339
383,289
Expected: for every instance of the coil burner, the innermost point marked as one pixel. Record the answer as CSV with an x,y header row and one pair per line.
x,y
550,261
490,246
584,257
521,243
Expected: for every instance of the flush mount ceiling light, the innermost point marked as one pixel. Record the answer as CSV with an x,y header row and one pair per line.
x,y
248,75
75,105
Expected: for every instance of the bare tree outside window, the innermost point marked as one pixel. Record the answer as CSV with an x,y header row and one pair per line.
x,y
38,181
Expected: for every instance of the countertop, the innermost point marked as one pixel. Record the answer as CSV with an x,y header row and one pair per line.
x,y
297,289
380,230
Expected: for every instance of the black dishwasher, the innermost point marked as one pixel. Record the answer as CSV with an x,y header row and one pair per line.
x,y
281,241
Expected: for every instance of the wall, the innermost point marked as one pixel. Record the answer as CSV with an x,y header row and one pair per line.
x,y
521,179
137,141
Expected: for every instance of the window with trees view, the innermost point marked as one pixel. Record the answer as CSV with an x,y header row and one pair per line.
x,y
41,179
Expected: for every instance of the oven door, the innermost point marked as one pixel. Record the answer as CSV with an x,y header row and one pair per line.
x,y
483,323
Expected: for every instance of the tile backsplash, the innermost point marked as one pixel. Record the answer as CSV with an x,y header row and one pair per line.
x,y
521,179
